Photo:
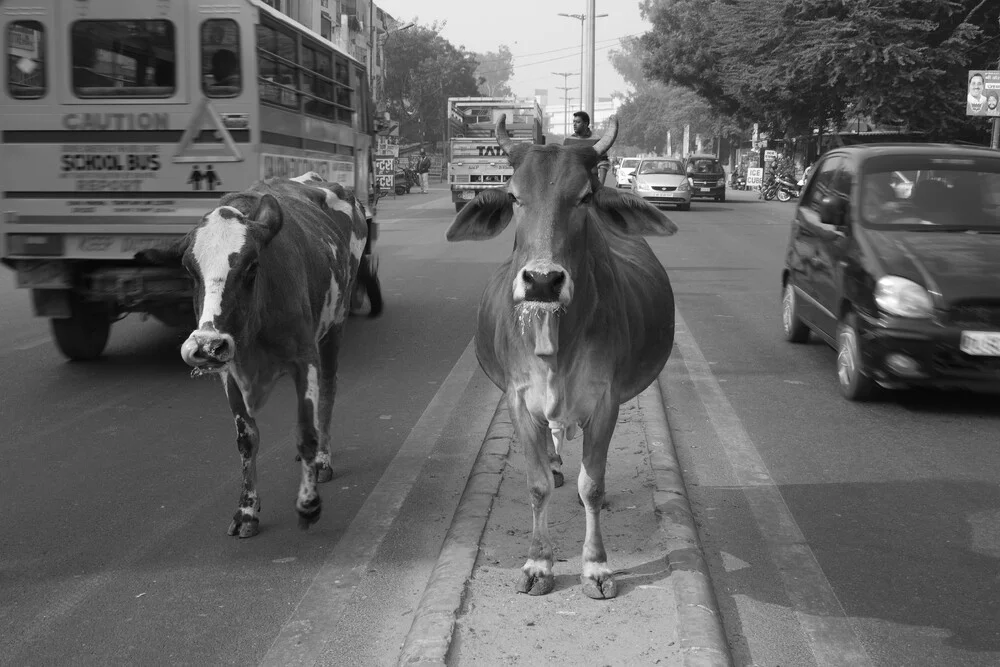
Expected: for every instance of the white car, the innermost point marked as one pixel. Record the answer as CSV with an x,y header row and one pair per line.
x,y
625,169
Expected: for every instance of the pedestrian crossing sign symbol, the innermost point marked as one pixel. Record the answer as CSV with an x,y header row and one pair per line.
x,y
189,150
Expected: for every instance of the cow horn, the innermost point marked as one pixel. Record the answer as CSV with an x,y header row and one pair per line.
x,y
503,139
602,146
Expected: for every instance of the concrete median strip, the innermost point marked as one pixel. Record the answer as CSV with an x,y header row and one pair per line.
x,y
699,631
434,619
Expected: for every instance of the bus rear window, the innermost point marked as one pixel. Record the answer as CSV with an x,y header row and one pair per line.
x,y
124,59
26,60
220,58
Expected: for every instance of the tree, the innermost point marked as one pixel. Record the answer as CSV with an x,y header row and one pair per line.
x,y
494,72
794,65
423,70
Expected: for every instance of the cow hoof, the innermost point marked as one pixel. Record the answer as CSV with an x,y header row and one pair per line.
x,y
536,584
309,514
599,589
324,473
244,527
558,478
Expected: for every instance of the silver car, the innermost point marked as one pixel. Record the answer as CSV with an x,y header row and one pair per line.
x,y
662,181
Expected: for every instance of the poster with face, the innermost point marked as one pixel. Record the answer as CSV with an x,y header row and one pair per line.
x,y
983,94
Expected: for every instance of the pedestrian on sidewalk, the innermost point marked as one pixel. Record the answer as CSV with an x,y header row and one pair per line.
x,y
583,134
423,170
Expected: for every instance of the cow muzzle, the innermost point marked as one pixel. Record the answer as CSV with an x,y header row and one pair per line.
x,y
208,350
544,283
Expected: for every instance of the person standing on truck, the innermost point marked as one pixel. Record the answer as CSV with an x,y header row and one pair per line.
x,y
583,133
423,170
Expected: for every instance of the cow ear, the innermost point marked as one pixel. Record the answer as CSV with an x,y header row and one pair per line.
x,y
482,218
268,216
633,214
170,255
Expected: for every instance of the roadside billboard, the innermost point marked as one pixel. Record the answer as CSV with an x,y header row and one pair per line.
x,y
983,95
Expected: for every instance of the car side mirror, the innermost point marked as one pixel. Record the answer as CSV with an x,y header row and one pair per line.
x,y
831,211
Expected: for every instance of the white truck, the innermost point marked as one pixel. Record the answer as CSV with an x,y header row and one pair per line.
x,y
475,161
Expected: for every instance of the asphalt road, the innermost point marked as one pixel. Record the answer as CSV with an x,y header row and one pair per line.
x,y
837,534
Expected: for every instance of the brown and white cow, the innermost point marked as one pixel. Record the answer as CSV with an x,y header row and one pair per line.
x,y
274,267
577,321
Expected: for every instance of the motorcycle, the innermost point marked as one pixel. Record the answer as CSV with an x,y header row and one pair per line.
x,y
738,182
769,189
406,178
787,188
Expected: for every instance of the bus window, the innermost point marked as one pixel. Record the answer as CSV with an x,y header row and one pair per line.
x,y
26,60
342,75
220,58
276,64
123,59
316,82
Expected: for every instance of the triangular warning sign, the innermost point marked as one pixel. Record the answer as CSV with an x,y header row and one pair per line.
x,y
189,151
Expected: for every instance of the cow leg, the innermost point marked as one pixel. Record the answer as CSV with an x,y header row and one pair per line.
x,y
555,444
307,384
536,575
329,349
596,577
245,522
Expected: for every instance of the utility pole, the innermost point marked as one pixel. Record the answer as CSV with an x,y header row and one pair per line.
x,y
565,89
995,143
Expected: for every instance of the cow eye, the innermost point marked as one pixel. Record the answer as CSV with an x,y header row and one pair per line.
x,y
587,198
251,272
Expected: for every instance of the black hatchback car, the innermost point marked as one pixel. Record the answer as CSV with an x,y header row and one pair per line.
x,y
894,260
707,177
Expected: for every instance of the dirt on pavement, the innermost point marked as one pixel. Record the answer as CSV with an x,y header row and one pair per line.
x,y
498,626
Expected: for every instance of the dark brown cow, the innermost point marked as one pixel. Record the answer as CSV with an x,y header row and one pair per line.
x,y
274,267
579,320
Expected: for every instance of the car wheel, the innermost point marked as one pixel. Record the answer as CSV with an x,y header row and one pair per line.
x,y
722,197
795,329
855,383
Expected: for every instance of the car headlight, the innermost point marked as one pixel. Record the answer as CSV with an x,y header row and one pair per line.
x,y
721,182
684,187
903,297
643,186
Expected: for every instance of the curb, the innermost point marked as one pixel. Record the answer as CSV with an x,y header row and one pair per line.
x,y
429,638
703,641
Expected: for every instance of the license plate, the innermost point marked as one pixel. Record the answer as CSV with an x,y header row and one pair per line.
x,y
45,274
705,189
468,195
980,343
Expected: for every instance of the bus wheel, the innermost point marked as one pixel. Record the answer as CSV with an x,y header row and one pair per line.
x,y
83,336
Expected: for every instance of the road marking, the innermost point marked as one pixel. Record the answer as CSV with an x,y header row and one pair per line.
x,y
817,609
303,637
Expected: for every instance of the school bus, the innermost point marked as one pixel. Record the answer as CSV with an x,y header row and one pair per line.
x,y
124,121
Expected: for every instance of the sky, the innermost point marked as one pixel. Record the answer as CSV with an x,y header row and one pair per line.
x,y
542,41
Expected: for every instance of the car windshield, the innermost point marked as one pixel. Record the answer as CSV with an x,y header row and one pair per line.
x,y
704,166
661,167
947,194
629,164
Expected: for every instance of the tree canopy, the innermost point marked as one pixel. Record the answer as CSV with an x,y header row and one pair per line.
x,y
423,70
794,65
494,71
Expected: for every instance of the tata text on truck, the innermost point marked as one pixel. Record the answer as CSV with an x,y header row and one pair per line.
x,y
124,122
476,162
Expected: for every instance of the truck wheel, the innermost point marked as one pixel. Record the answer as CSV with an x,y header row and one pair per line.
x,y
459,205
83,336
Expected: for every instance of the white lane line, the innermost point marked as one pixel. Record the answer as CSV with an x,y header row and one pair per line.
x,y
303,636
819,612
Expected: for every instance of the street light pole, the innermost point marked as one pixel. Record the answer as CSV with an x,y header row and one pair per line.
x,y
586,93
995,143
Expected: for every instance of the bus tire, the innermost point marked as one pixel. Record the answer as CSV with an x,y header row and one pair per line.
x,y
84,335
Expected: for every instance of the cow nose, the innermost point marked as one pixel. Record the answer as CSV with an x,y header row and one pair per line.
x,y
203,348
542,285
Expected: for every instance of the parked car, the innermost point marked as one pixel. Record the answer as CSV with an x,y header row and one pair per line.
x,y
904,282
662,181
708,177
625,170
